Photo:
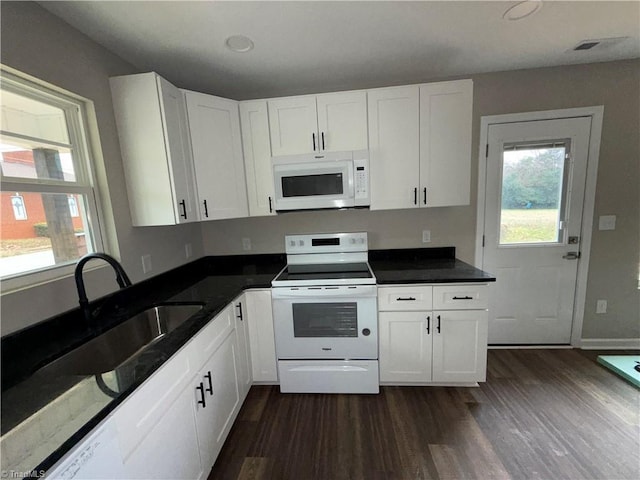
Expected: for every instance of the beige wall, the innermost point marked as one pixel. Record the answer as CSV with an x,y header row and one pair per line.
x,y
39,44
613,273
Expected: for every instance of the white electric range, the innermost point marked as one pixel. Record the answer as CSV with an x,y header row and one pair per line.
x,y
325,315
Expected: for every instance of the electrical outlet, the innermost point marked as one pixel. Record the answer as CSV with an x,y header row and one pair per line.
x,y
601,306
146,263
246,244
426,236
188,250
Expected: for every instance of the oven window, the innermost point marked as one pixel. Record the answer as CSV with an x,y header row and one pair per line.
x,y
306,185
325,319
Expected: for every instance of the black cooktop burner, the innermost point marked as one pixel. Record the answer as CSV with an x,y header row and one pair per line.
x,y
325,271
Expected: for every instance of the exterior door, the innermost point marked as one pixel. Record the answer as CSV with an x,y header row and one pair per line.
x,y
535,183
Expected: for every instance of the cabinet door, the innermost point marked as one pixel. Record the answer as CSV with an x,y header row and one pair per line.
x,y
405,346
217,400
216,143
261,336
342,121
149,113
394,147
254,121
460,346
243,354
170,450
180,161
445,143
293,125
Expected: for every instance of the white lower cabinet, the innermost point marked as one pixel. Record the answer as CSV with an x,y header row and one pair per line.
x,y
175,423
170,450
243,353
259,318
460,346
217,400
421,345
405,347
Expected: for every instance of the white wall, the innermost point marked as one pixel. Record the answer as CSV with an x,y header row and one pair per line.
x,y
613,273
40,44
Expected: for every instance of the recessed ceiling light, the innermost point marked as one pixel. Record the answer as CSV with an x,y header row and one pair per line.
x,y
522,10
239,43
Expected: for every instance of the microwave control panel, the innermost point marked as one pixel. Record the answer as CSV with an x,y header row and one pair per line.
x,y
361,181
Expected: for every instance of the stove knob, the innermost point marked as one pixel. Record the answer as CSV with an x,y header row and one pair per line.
x,y
366,332
352,241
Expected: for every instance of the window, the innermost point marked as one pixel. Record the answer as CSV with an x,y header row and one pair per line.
x,y
45,171
534,181
19,210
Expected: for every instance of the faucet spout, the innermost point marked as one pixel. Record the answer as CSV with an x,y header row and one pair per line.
x,y
121,278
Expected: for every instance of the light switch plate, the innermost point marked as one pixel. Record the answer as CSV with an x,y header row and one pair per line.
x,y
607,222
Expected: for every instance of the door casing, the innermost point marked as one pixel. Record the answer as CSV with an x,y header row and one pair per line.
x,y
596,113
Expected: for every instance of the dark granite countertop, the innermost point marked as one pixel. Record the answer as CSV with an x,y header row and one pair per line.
x,y
423,265
210,281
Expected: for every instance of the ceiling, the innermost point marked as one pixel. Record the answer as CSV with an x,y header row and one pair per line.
x,y
307,47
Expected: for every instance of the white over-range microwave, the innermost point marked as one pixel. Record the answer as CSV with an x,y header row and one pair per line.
x,y
317,181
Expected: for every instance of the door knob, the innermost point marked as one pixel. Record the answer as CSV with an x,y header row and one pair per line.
x,y
571,256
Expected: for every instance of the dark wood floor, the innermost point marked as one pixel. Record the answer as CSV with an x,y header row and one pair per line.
x,y
542,414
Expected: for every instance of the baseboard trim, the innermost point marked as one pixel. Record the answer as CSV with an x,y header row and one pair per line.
x,y
610,344
529,347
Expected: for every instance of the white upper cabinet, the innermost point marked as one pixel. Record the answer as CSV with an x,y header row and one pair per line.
x,y
216,144
154,141
394,147
420,145
324,123
256,145
342,121
445,142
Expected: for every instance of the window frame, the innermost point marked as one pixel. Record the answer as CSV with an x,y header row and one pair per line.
x,y
76,110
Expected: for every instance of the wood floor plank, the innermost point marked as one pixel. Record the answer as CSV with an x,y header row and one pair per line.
x,y
542,414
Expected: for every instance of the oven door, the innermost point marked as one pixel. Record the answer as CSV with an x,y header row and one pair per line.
x,y
314,185
326,322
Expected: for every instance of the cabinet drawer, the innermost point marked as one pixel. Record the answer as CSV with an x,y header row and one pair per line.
x,y
460,297
405,298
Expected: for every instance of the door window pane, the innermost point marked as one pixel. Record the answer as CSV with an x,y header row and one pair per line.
x,y
533,180
50,235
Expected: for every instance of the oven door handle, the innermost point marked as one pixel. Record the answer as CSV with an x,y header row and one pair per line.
x,y
328,368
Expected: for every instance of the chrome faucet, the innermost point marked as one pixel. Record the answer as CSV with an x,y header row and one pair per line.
x,y
121,278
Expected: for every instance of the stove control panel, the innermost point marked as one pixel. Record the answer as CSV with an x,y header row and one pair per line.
x,y
326,243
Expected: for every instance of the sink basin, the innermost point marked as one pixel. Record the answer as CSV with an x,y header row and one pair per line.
x,y
123,342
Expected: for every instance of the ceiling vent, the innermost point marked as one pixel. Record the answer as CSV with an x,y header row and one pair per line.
x,y
598,44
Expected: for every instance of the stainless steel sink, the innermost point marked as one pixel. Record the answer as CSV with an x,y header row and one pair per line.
x,y
123,342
